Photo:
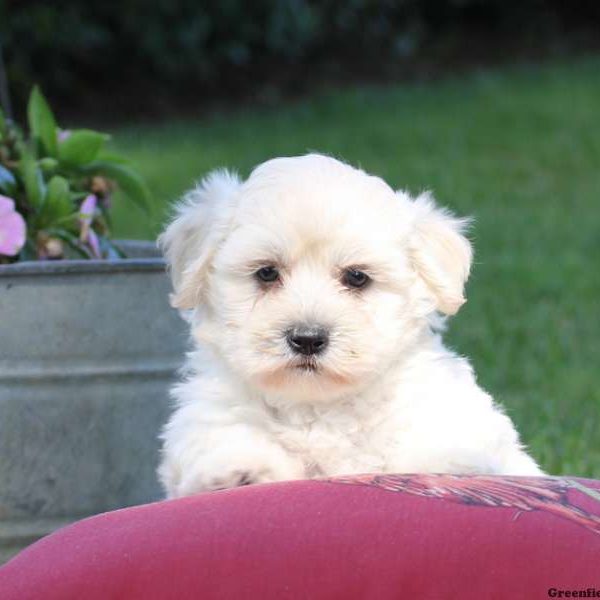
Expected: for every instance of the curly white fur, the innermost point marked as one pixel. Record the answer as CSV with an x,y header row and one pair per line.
x,y
385,396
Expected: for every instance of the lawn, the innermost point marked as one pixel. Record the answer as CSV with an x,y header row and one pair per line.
x,y
518,148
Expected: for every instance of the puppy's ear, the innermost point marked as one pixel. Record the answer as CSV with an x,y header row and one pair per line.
x,y
200,224
440,253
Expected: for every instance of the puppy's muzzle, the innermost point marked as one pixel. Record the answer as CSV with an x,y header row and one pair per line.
x,y
307,339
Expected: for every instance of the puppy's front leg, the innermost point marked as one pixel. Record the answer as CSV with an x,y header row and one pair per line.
x,y
199,455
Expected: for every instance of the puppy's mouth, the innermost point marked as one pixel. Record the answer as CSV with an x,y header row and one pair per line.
x,y
307,370
311,368
305,366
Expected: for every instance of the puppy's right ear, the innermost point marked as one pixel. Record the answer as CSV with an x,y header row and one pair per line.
x,y
189,242
440,253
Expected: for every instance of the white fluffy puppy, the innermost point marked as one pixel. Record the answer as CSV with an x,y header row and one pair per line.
x,y
314,294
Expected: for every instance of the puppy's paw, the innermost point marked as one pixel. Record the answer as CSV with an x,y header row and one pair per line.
x,y
208,479
226,468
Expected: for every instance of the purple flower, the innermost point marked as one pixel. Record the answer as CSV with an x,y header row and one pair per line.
x,y
13,230
87,209
63,134
86,216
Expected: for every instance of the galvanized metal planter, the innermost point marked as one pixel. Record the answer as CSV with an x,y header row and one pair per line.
x,y
88,350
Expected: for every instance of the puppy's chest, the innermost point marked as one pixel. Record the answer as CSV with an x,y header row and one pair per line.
x,y
336,441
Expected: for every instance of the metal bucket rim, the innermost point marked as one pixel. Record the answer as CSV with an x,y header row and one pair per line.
x,y
147,258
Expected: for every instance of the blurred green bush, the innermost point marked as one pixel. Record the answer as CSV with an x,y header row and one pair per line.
x,y
81,50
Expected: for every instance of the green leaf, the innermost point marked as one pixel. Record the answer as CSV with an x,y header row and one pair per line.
x,y
35,188
132,184
42,123
58,204
2,122
8,183
48,165
77,197
81,147
113,158
58,190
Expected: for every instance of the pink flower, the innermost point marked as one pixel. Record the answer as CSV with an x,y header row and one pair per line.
x,y
86,216
13,230
86,211
63,134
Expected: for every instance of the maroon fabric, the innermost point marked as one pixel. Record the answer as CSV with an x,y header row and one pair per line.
x,y
424,536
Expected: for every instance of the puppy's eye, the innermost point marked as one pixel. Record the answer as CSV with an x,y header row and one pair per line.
x,y
267,274
353,278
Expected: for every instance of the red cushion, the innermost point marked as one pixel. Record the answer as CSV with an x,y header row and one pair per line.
x,y
379,537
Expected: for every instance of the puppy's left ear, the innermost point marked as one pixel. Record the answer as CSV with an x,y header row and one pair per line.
x,y
202,220
440,253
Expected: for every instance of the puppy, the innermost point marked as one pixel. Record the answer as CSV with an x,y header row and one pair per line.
x,y
315,296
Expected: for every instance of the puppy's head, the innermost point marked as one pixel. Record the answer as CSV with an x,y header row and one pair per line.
x,y
310,278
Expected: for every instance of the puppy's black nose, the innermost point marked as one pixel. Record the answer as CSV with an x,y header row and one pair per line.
x,y
307,340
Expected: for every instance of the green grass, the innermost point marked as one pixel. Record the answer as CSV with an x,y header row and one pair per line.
x,y
517,148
